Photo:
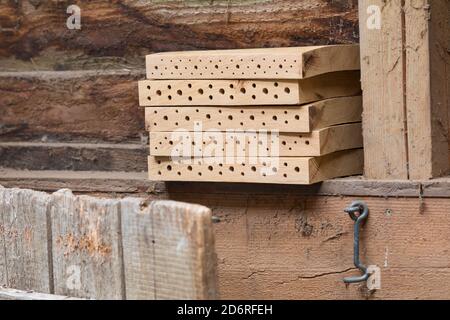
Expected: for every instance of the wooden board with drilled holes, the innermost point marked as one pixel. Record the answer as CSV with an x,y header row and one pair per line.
x,y
316,143
284,170
273,63
248,92
306,118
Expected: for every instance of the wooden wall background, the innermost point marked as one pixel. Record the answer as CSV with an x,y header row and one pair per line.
x,y
69,118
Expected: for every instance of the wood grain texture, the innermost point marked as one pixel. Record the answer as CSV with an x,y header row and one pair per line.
x,y
250,143
184,248
71,106
24,240
273,63
384,118
248,92
86,241
119,34
427,26
304,118
290,247
73,156
283,170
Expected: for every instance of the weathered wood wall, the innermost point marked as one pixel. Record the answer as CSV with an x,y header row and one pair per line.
x,y
115,34
285,243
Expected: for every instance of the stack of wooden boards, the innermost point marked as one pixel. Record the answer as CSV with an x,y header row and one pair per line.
x,y
283,115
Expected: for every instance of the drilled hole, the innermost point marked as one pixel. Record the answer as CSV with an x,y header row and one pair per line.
x,y
265,91
243,90
200,91
179,92
287,90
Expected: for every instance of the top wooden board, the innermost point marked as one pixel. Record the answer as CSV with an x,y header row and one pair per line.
x,y
267,63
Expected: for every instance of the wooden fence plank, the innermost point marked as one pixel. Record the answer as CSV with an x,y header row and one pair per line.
x,y
427,26
168,250
185,260
384,118
138,250
25,235
87,252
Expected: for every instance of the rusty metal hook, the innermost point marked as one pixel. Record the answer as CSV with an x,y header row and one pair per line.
x,y
363,209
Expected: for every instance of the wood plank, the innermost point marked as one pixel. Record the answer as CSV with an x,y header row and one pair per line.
x,y
73,156
231,143
185,229
137,28
168,250
305,118
138,250
87,251
73,106
291,247
14,294
285,170
427,26
25,240
384,118
137,184
273,63
247,92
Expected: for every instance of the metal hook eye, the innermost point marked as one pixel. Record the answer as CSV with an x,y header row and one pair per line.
x,y
363,210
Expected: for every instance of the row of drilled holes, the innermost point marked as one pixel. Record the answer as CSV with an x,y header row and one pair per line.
x,y
230,168
217,67
158,92
284,143
230,117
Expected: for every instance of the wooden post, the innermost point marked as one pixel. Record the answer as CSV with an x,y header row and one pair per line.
x,y
404,71
427,25
382,83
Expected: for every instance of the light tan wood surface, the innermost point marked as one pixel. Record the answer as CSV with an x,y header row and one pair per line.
x,y
269,63
306,118
384,117
286,170
254,143
248,92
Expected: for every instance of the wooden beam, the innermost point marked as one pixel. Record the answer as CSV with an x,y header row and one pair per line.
x,y
427,26
382,77
305,118
248,92
137,184
72,106
289,247
74,156
273,63
138,28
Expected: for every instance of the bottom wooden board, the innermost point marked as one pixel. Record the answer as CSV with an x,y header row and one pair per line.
x,y
284,170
